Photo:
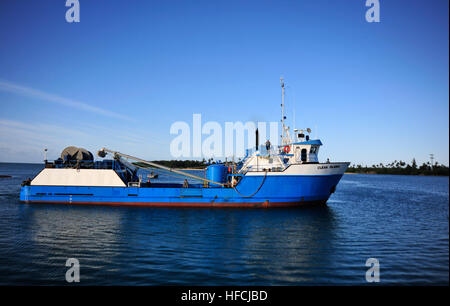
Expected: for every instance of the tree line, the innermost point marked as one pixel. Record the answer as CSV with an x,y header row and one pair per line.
x,y
401,167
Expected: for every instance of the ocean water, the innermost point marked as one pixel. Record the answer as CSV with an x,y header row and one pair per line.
x,y
402,221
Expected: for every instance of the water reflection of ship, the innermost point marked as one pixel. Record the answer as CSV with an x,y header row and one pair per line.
x,y
300,241
284,246
85,233
301,244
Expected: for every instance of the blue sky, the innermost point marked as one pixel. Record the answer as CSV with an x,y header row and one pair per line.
x,y
372,92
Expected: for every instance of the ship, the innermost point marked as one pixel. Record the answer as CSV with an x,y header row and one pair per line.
x,y
285,175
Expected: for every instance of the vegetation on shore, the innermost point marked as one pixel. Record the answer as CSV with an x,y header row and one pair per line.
x,y
401,167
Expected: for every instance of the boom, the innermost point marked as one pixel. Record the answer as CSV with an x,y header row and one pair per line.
x,y
103,151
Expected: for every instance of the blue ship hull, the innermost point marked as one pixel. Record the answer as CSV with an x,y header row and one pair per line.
x,y
252,191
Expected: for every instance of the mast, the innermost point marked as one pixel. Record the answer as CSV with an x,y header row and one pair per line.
x,y
282,109
285,137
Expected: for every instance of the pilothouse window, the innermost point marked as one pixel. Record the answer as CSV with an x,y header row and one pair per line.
x,y
303,155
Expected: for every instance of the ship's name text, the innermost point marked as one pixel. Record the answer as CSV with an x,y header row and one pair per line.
x,y
331,167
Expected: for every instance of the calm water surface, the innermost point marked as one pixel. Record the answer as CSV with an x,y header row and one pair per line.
x,y
400,220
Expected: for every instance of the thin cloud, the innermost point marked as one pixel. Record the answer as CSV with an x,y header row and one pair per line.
x,y
17,137
38,94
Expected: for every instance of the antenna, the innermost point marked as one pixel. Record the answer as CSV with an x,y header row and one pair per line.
x,y
285,137
282,109
431,158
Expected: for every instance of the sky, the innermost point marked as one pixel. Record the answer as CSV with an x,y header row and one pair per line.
x,y
119,78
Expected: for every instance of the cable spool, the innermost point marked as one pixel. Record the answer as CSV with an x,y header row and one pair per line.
x,y
76,154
